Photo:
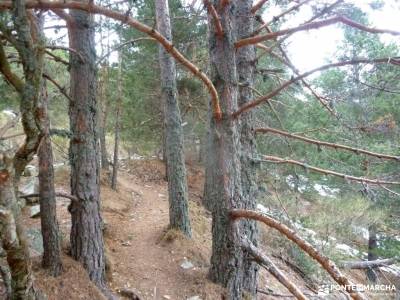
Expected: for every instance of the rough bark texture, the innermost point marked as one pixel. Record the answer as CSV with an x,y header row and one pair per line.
x,y
323,260
31,52
269,265
245,59
176,170
103,116
48,212
13,239
117,127
224,190
87,244
372,248
29,43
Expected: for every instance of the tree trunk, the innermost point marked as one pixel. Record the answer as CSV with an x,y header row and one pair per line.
x,y
372,248
176,170
245,59
224,190
13,239
29,43
48,211
117,126
87,244
103,116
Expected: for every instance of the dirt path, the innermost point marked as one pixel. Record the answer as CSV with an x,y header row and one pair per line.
x,y
142,257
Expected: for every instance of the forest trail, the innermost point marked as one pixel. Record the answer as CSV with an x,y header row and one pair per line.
x,y
145,257
144,261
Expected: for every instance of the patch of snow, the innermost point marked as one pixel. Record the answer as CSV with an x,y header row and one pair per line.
x,y
361,231
347,249
187,264
9,112
325,191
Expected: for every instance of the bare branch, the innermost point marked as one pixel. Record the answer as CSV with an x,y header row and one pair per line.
x,y
126,19
57,58
7,137
211,9
58,86
9,75
251,104
326,144
257,6
59,194
308,26
275,18
266,262
279,160
51,47
323,260
122,45
369,263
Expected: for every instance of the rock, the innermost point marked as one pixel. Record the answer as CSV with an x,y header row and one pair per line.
x,y
30,170
187,265
35,239
31,186
166,297
194,298
35,211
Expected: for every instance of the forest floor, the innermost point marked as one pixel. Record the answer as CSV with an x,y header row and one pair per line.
x,y
144,257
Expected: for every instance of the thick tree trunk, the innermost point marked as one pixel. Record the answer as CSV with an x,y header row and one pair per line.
x,y
87,244
48,211
117,127
245,59
13,239
29,43
372,248
176,170
224,190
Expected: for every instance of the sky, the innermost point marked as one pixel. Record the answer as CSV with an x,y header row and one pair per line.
x,y
313,48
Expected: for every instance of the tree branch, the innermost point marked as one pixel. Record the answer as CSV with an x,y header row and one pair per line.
x,y
5,69
122,45
323,260
369,263
58,86
251,104
51,47
61,195
211,9
279,160
326,144
126,19
257,6
268,264
275,18
312,25
57,58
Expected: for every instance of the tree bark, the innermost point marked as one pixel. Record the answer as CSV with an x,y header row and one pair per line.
x,y
176,170
47,199
13,239
87,245
369,263
245,59
29,43
117,126
223,189
372,248
103,116
272,269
